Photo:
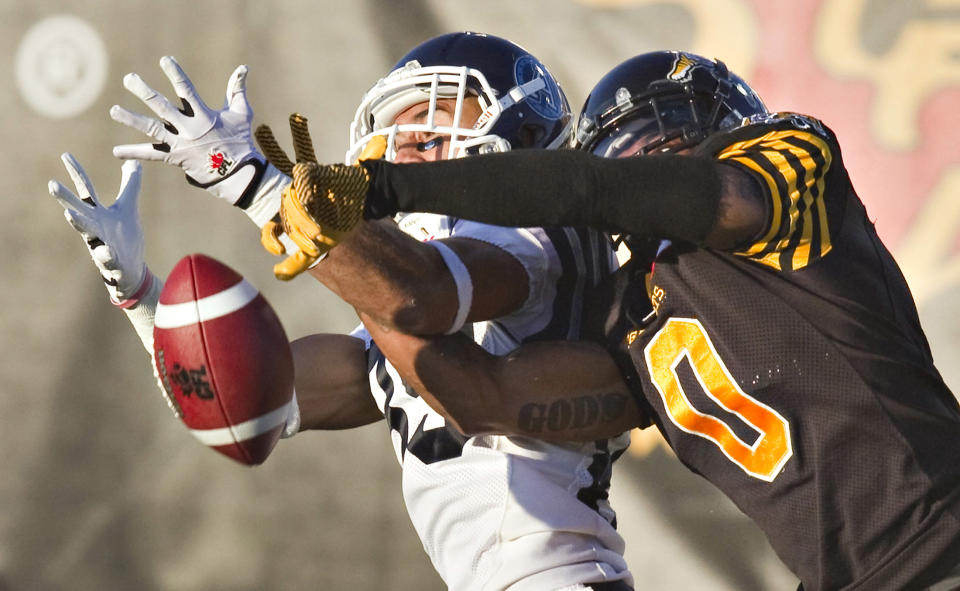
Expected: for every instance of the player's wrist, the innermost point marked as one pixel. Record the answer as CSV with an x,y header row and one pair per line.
x,y
379,202
142,313
122,300
265,201
237,186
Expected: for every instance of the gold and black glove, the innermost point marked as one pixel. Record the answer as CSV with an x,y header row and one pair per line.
x,y
322,204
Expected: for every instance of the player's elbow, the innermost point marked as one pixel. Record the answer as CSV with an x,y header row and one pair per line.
x,y
468,426
476,424
433,300
473,408
420,310
422,315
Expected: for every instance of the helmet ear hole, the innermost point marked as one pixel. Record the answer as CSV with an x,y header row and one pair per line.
x,y
530,136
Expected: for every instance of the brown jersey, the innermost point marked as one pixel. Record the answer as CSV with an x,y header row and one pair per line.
x,y
794,375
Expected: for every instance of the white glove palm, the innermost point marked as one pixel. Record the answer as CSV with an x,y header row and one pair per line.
x,y
214,148
113,234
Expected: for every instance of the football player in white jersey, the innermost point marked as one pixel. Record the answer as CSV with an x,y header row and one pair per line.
x,y
493,512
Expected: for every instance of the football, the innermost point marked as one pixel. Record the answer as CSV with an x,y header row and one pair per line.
x,y
223,359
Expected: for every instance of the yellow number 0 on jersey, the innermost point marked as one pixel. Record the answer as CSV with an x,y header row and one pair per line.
x,y
685,337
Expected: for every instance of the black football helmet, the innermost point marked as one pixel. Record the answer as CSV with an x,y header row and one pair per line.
x,y
662,101
523,105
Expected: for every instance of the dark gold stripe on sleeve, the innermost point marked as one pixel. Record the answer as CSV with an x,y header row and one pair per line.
x,y
791,165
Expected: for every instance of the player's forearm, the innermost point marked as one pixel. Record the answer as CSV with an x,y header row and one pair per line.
x,y
456,382
391,277
141,314
662,196
561,391
331,382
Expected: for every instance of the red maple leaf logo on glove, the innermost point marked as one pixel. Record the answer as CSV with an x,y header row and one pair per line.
x,y
220,163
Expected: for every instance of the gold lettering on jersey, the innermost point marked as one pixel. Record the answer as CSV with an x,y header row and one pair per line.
x,y
632,336
685,338
656,297
902,86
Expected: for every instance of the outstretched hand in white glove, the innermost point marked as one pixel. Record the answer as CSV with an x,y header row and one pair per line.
x,y
113,234
214,148
114,237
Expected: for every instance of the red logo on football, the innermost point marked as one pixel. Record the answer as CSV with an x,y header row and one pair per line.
x,y
223,358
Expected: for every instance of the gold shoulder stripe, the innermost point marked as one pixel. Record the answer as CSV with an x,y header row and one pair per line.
x,y
772,158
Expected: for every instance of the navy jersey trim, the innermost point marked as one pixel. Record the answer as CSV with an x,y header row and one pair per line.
x,y
584,259
428,445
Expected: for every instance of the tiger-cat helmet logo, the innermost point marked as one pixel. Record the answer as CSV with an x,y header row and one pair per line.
x,y
682,68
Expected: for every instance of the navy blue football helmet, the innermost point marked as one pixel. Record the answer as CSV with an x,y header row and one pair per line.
x,y
523,105
662,101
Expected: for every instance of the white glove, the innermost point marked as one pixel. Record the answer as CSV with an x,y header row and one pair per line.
x,y
214,148
113,234
114,238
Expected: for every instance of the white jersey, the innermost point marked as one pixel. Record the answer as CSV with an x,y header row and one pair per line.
x,y
498,512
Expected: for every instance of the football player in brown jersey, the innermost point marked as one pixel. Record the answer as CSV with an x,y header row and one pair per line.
x,y
784,359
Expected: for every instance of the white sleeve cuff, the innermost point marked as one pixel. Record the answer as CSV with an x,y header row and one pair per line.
x,y
141,314
292,424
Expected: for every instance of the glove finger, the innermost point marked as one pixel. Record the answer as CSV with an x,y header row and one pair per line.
x,y
147,125
151,98
80,179
302,144
65,197
109,279
374,149
327,239
300,227
236,99
106,258
270,238
182,86
304,242
272,150
87,228
301,230
292,266
139,152
129,193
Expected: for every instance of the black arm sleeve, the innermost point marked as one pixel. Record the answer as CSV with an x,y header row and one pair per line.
x,y
659,196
